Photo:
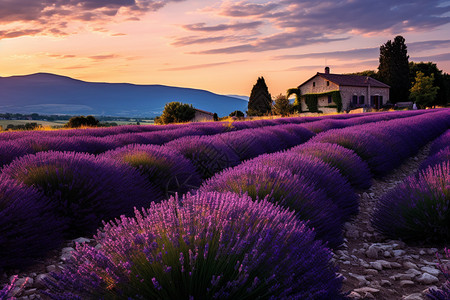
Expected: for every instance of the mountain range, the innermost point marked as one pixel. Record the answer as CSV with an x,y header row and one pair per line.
x,y
48,94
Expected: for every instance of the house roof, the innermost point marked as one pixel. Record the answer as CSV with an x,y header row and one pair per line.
x,y
350,80
204,112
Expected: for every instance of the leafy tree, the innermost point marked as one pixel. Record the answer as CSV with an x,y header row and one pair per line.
x,y
79,121
394,69
423,92
429,68
260,101
297,104
176,112
215,117
282,106
237,114
370,73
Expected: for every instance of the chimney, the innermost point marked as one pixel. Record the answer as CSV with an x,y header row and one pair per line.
x,y
327,70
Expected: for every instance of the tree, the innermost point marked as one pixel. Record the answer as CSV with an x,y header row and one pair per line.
x,y
260,101
297,102
215,117
237,114
282,106
423,93
176,112
429,68
79,121
394,69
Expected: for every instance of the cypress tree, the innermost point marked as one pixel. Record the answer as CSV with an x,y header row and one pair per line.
x,y
260,101
394,69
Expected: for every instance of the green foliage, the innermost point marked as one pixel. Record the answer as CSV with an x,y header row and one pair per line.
x,y
260,101
394,69
370,73
27,126
311,100
176,112
80,121
297,102
423,92
440,80
237,114
282,106
215,117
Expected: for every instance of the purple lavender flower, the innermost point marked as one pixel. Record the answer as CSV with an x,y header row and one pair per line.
x,y
281,187
255,250
318,174
436,159
165,168
350,165
83,189
209,155
440,143
418,209
27,229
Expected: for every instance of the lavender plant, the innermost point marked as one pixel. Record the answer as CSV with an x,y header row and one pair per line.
x,y
83,189
206,246
318,174
208,155
418,209
27,229
165,168
436,159
440,143
346,161
444,292
281,187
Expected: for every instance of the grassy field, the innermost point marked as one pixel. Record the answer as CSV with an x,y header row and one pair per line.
x,y
59,123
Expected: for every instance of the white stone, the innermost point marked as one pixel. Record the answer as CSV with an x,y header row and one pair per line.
x,y
354,295
406,283
410,265
376,265
81,240
367,289
372,251
398,252
432,251
431,271
384,264
416,296
51,268
385,283
427,279
414,272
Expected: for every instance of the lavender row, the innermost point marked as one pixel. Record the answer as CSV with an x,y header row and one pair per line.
x,y
33,142
384,145
204,246
439,151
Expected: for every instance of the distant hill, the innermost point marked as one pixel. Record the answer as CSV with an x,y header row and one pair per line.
x,y
47,94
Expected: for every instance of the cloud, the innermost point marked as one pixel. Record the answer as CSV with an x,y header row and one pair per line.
x,y
293,23
202,66
30,17
103,57
192,40
433,58
345,54
222,27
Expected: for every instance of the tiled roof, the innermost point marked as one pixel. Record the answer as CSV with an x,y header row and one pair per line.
x,y
204,111
353,80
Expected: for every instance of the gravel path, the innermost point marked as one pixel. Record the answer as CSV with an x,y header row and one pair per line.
x,y
378,268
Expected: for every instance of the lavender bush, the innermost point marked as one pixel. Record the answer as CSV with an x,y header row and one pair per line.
x,y
318,174
436,159
166,168
209,155
346,161
27,229
83,189
444,292
206,246
418,209
286,189
440,143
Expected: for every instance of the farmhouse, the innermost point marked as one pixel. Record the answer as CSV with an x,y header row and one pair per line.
x,y
201,115
328,92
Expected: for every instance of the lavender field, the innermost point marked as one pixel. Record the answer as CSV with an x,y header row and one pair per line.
x,y
242,210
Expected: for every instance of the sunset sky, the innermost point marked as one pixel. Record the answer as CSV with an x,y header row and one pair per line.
x,y
221,46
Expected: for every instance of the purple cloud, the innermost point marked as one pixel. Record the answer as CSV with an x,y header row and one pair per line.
x,y
202,66
221,27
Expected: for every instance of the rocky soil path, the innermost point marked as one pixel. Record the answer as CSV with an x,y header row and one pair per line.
x,y
373,267
377,268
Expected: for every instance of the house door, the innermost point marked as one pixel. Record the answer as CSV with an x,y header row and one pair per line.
x,y
376,101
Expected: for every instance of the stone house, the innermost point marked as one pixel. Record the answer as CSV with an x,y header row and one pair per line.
x,y
355,92
201,115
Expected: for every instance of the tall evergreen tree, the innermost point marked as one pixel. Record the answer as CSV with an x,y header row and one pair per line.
x,y
394,69
260,101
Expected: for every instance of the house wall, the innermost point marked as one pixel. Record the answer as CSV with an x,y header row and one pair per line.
x,y
347,93
319,85
199,116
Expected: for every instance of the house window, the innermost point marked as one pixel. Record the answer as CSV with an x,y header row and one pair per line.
x,y
355,100
361,99
314,83
329,99
328,83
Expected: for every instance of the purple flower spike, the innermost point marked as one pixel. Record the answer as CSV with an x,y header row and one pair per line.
x,y
418,209
83,189
166,168
255,250
291,191
350,165
27,229
440,143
